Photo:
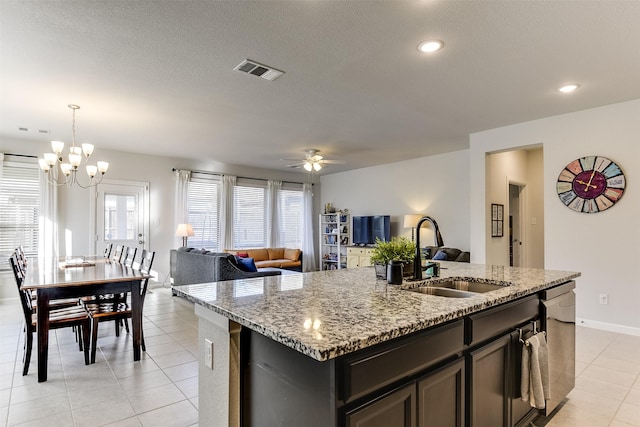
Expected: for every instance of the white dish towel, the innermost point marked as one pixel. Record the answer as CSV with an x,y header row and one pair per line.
x,y
534,382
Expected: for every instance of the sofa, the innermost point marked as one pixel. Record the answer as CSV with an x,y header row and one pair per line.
x,y
190,266
446,254
285,258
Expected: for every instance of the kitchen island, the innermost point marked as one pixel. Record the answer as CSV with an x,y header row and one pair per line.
x,y
342,348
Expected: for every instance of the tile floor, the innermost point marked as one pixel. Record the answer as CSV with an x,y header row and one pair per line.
x,y
159,390
162,389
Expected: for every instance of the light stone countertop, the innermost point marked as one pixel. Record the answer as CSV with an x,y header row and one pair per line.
x,y
327,314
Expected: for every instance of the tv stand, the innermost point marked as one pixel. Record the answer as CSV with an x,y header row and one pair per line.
x,y
359,256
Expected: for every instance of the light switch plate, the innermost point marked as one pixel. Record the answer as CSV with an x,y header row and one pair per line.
x,y
208,353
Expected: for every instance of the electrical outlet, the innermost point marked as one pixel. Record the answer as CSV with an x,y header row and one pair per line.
x,y
604,298
208,353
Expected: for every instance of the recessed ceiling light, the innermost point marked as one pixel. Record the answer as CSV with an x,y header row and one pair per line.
x,y
430,46
568,88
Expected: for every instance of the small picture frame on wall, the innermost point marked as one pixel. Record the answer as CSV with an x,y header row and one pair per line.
x,y
497,220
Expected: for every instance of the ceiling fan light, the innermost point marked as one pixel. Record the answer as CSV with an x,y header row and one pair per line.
x,y
317,166
308,166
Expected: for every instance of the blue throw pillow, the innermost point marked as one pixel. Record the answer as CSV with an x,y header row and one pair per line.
x,y
247,264
440,256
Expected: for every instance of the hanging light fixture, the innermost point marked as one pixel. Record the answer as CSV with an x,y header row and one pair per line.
x,y
67,175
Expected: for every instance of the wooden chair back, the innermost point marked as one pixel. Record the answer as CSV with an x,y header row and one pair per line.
x,y
107,250
116,254
25,296
129,256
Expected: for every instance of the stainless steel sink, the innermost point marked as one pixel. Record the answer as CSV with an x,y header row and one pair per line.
x,y
463,285
442,292
456,288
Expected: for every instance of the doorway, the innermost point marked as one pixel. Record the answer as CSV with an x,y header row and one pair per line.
x,y
122,214
516,211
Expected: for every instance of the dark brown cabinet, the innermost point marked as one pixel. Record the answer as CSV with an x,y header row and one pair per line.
x,y
395,409
465,373
494,383
441,396
488,384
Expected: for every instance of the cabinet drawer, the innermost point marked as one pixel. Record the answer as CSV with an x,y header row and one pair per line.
x,y
355,251
495,321
371,369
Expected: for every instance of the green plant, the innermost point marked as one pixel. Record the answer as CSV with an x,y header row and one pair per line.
x,y
397,249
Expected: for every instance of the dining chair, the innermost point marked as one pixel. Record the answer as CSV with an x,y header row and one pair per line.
x,y
129,256
66,317
116,254
100,311
107,250
20,261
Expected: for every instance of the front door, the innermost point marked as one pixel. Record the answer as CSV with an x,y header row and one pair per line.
x,y
122,214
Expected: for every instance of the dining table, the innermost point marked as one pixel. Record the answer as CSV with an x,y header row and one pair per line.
x,y
70,277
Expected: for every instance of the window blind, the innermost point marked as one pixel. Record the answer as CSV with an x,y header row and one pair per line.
x,y
203,205
291,218
19,207
249,217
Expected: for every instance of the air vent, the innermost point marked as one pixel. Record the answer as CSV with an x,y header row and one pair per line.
x,y
41,131
259,70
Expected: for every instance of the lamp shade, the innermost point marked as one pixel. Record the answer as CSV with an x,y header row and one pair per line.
x,y
411,220
184,230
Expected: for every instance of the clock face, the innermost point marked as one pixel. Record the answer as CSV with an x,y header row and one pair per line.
x,y
590,184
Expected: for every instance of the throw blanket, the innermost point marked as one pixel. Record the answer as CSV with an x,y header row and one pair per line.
x,y
534,383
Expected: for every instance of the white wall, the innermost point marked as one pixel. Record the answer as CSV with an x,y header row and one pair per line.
x,y
602,246
437,186
74,204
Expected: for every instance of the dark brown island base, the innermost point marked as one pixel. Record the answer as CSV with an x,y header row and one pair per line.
x,y
340,348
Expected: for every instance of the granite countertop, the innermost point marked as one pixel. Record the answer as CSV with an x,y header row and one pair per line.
x,y
327,314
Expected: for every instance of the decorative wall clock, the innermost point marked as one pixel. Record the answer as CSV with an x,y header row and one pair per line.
x,y
591,184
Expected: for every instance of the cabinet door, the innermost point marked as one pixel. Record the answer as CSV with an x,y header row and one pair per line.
x,y
365,261
441,397
352,261
489,384
396,409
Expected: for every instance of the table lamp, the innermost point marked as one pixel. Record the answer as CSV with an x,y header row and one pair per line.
x,y
410,221
185,231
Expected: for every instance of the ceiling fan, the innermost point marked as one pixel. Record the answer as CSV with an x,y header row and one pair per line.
x,y
312,161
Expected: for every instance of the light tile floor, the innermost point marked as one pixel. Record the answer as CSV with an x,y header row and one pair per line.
x,y
159,390
607,391
162,388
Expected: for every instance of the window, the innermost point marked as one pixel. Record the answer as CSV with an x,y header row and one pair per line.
x,y
249,217
203,205
120,217
19,207
291,218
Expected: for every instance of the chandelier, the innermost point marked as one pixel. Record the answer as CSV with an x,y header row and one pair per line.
x,y
67,174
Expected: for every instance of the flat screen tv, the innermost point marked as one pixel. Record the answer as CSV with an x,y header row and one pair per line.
x,y
367,228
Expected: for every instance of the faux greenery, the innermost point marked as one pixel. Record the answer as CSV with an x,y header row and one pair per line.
x,y
397,249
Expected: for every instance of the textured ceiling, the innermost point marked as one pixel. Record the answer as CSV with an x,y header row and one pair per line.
x,y
157,76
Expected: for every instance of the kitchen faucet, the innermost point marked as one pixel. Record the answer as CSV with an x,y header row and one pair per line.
x,y
417,261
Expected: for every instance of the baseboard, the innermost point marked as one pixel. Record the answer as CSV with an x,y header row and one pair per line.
x,y
611,327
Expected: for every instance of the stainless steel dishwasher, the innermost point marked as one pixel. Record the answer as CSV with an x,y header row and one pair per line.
x,y
559,321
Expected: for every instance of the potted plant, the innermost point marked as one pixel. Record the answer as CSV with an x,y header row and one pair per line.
x,y
397,249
